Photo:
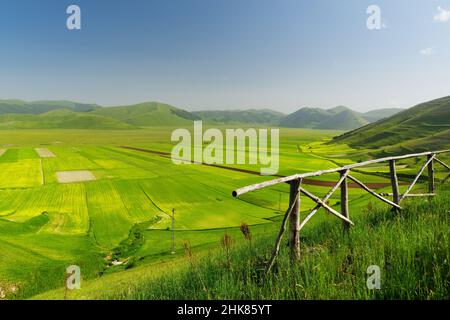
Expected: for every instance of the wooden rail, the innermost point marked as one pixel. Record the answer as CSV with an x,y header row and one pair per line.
x,y
295,181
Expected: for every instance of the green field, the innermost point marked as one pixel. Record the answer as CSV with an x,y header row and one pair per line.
x,y
118,226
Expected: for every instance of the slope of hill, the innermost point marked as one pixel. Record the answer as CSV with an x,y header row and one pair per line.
x,y
343,120
423,127
60,119
39,107
339,118
148,114
379,114
263,116
305,118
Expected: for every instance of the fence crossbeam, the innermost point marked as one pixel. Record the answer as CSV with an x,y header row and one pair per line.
x,y
273,182
362,185
319,201
416,178
411,195
442,163
324,200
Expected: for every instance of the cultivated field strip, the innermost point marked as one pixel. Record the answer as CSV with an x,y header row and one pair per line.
x,y
74,176
45,227
65,205
45,153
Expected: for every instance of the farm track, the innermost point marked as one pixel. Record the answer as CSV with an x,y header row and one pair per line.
x,y
320,183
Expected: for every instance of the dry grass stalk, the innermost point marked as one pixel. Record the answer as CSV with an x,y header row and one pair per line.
x,y
191,258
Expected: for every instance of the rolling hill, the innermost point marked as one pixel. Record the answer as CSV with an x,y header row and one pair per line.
x,y
423,127
338,118
379,114
18,114
39,107
263,116
60,119
148,114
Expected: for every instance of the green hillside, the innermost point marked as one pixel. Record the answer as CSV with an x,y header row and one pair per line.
x,y
343,120
264,116
379,114
148,114
39,107
18,114
339,118
423,127
60,119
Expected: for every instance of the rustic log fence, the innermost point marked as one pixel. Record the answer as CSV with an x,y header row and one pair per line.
x,y
292,214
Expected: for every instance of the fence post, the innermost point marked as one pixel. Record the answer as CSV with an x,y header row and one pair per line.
x,y
394,182
431,183
294,220
344,201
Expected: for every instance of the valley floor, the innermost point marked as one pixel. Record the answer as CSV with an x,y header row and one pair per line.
x,y
77,197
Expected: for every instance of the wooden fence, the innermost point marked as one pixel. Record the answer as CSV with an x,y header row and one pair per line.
x,y
296,189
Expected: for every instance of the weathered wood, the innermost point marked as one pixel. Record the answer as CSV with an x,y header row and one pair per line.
x,y
394,182
319,201
324,200
269,183
411,195
293,212
431,184
442,163
416,178
276,249
294,220
362,185
344,199
418,195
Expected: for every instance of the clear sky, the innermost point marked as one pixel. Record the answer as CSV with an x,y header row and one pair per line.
x,y
227,54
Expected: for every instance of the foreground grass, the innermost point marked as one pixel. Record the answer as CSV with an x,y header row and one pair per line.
x,y
412,250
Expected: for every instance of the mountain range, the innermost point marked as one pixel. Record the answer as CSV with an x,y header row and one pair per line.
x,y
338,118
17,114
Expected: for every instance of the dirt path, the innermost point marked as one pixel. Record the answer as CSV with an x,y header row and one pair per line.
x,y
321,183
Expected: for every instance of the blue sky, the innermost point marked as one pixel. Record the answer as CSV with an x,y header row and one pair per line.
x,y
227,54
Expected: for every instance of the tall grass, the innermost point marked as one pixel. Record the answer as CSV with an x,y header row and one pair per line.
x,y
411,248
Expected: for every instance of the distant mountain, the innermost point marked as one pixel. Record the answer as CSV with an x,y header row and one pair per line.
x,y
344,120
379,114
423,127
305,118
148,114
60,119
263,116
38,107
338,118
